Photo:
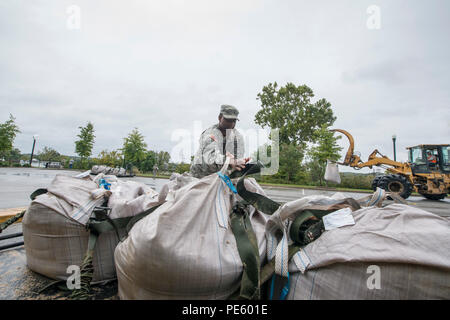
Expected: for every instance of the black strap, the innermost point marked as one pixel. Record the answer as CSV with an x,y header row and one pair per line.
x,y
106,224
296,226
245,236
260,202
86,270
247,246
308,226
139,216
37,192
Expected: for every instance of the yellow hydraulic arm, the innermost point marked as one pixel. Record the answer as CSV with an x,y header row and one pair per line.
x,y
355,161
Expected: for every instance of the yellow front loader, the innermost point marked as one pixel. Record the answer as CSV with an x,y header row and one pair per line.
x,y
427,171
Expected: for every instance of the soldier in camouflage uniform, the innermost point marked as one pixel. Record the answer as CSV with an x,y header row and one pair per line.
x,y
217,142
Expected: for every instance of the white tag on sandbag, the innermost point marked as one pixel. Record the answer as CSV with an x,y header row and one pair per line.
x,y
339,218
332,172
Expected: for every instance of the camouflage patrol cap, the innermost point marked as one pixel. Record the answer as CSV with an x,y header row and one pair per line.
x,y
229,112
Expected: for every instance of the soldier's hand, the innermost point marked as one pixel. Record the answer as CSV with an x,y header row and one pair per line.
x,y
239,164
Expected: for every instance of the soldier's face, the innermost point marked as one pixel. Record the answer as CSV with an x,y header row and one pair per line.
x,y
226,123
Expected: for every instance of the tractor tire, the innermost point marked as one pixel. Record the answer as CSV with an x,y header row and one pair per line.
x,y
435,196
396,183
375,182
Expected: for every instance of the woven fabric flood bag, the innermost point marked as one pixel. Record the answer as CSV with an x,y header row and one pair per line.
x,y
391,252
186,248
55,223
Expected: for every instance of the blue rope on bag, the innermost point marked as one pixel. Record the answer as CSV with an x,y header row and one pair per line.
x,y
272,287
227,181
284,291
103,183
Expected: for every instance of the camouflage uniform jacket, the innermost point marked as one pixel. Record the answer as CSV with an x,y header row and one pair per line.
x,y
210,156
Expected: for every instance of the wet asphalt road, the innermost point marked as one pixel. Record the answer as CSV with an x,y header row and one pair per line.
x,y
16,184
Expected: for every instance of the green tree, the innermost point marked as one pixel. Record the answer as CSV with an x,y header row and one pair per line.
x,y
290,110
149,161
49,154
182,167
14,155
134,148
163,160
83,146
290,162
112,159
325,149
262,154
8,132
291,157
65,160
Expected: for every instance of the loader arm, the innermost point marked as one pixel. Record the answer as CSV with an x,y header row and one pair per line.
x,y
349,156
355,161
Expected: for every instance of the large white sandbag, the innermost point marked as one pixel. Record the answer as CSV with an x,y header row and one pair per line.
x,y
100,169
94,169
395,252
332,172
54,230
186,249
54,225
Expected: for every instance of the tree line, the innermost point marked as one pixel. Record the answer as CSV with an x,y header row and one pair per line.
x,y
133,154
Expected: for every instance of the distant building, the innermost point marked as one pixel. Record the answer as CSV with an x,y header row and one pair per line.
x,y
55,164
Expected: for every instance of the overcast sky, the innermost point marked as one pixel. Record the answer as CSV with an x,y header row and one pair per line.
x,y
162,66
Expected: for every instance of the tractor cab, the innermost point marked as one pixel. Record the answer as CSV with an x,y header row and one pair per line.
x,y
426,158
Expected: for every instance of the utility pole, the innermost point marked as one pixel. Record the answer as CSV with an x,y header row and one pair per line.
x,y
32,150
394,137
